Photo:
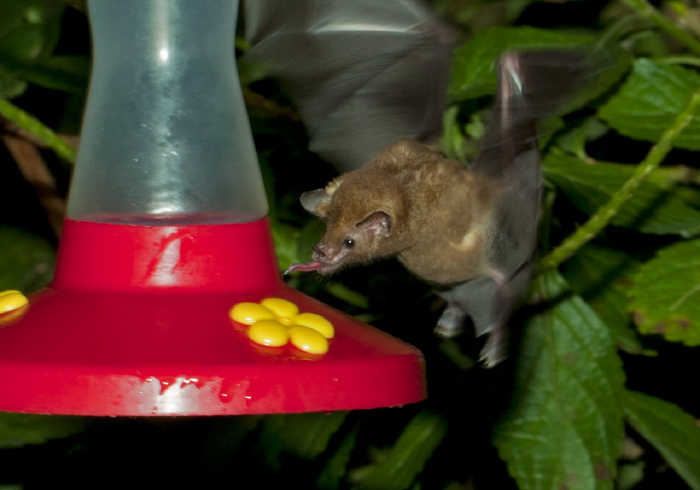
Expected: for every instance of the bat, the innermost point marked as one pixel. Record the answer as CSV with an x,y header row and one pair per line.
x,y
469,232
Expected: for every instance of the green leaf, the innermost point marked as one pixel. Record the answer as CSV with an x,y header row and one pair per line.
x,y
346,294
18,429
333,474
600,276
304,435
66,73
29,30
673,432
452,141
26,260
575,139
286,239
473,73
665,295
655,207
650,99
250,72
10,84
565,427
472,13
310,235
630,475
405,460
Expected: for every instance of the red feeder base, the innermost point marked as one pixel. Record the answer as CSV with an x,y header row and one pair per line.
x,y
136,323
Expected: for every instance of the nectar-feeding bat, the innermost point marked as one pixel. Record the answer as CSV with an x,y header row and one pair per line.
x,y
470,232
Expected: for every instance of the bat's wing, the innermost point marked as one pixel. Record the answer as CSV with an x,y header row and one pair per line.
x,y
489,303
531,85
363,73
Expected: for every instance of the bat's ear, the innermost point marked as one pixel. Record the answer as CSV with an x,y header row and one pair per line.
x,y
316,202
377,223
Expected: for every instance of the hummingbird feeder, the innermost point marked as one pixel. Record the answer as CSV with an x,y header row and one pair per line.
x,y
165,232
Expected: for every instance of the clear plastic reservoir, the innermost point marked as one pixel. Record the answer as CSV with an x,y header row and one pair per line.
x,y
165,137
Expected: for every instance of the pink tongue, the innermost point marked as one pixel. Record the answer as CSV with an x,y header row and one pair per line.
x,y
307,267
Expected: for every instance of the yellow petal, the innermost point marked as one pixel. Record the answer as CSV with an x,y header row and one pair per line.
x,y
11,300
308,340
250,313
283,309
317,322
268,332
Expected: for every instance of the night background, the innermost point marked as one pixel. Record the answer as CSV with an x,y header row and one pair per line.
x,y
600,387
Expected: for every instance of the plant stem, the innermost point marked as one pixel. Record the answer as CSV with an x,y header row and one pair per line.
x,y
43,133
643,8
605,213
680,60
348,295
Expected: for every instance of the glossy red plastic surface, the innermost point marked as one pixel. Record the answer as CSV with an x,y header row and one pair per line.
x,y
136,323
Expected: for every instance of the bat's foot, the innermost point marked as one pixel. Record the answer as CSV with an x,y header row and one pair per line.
x,y
451,323
494,350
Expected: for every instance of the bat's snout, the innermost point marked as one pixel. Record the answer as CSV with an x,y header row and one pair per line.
x,y
319,253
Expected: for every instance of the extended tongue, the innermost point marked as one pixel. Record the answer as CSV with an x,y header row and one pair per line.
x,y
307,267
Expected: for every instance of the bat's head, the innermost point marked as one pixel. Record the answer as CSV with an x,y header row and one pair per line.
x,y
358,226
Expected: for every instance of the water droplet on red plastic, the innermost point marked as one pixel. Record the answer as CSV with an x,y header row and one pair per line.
x,y
192,381
165,382
230,390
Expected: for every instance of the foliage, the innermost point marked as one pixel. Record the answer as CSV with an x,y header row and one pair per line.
x,y
679,442
598,349
664,294
567,405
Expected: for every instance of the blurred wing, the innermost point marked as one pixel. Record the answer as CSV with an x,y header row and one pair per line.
x,y
363,73
531,86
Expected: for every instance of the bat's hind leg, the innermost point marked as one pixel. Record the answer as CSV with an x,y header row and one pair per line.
x,y
507,293
451,322
488,301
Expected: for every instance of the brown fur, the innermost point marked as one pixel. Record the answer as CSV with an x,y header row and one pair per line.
x,y
420,191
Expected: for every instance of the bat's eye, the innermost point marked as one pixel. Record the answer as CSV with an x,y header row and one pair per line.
x,y
348,242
